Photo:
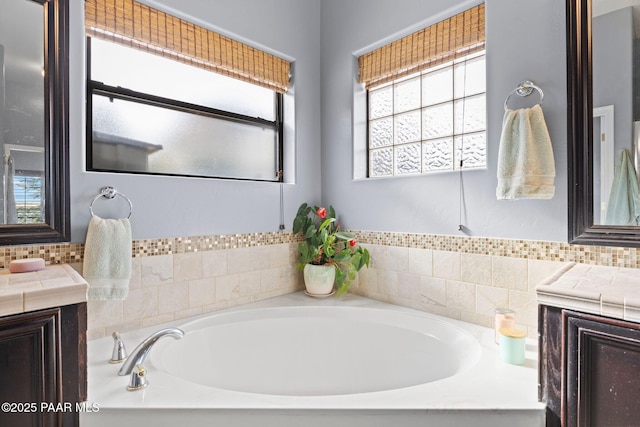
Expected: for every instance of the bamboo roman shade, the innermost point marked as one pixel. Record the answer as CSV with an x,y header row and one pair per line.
x,y
136,25
447,40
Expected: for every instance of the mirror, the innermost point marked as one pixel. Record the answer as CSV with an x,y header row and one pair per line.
x,y
34,207
591,169
616,111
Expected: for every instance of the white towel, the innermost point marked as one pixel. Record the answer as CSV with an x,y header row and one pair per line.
x,y
107,258
624,201
525,159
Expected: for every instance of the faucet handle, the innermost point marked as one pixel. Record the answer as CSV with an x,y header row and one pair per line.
x,y
138,379
119,353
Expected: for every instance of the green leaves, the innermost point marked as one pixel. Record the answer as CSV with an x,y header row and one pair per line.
x,y
311,231
343,235
326,223
324,243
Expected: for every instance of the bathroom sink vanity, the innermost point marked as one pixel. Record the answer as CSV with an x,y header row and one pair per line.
x,y
43,323
589,346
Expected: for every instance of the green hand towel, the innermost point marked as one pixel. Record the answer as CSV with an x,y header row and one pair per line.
x,y
107,258
525,158
624,201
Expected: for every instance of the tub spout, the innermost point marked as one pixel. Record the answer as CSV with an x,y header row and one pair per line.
x,y
141,351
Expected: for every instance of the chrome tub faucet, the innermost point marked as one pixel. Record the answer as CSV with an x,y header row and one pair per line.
x,y
138,355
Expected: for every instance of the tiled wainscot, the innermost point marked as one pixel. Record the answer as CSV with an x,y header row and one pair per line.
x,y
460,277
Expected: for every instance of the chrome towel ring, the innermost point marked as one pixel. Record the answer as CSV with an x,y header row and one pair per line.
x,y
110,193
525,88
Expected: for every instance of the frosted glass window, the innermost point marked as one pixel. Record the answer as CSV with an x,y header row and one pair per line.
x,y
407,127
437,86
381,132
381,103
149,114
408,159
117,65
474,147
470,114
431,122
438,155
381,162
407,95
134,137
473,74
437,121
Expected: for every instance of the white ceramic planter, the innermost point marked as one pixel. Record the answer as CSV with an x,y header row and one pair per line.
x,y
319,279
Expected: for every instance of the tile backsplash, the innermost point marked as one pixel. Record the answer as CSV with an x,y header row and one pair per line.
x,y
462,286
456,276
175,286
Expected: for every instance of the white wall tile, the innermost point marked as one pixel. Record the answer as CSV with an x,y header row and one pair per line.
x,y
488,298
156,270
227,288
461,295
173,297
269,279
388,282
433,291
409,286
187,266
475,268
202,292
104,313
525,306
510,273
249,284
446,265
390,258
141,303
214,263
421,261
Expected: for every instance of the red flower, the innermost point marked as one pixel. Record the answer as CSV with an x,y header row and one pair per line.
x,y
321,212
353,242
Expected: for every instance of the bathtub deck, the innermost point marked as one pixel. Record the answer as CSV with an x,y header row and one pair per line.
x,y
492,393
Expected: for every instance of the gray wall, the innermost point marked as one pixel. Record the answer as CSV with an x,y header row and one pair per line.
x,y
525,40
172,207
613,71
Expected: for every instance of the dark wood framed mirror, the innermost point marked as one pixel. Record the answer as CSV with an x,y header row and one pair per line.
x,y
587,225
34,122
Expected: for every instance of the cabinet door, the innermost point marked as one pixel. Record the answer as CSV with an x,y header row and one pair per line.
x,y
550,363
602,371
29,368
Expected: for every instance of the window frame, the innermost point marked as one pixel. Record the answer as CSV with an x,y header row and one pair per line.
x,y
420,75
98,88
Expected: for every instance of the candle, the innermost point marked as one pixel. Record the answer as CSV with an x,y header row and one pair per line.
x,y
512,345
504,318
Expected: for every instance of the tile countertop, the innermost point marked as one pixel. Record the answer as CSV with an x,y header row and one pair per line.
x,y
607,291
53,286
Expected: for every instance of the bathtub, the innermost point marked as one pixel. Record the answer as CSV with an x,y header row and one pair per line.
x,y
298,361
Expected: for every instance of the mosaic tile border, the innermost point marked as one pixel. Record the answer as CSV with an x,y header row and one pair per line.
x,y
515,248
74,252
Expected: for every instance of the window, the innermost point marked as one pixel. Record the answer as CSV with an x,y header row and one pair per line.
x,y
23,179
431,121
157,106
426,103
28,193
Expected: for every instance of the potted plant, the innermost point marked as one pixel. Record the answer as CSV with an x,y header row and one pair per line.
x,y
327,253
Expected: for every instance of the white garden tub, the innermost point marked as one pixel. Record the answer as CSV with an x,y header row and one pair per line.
x,y
294,360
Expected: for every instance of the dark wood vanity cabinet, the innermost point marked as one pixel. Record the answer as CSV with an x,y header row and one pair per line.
x,y
589,372
43,368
